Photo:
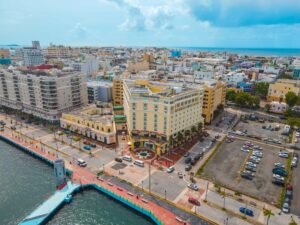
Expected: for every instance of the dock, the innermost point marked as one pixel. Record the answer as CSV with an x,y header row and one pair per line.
x,y
41,214
85,178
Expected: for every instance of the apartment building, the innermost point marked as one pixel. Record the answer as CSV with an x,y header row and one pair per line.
x,y
135,67
59,51
30,56
159,113
117,91
281,87
44,94
99,91
213,99
93,121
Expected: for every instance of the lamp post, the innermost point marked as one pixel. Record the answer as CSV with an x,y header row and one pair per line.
x,y
142,185
165,194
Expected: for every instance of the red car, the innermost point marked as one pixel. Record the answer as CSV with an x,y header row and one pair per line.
x,y
194,201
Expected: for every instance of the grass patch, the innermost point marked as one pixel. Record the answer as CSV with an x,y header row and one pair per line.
x,y
201,169
287,180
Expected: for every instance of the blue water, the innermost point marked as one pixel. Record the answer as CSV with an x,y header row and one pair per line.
x,y
248,51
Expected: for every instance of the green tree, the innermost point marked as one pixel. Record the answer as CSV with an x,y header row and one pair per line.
x,y
187,133
230,95
268,213
293,222
291,99
267,107
199,126
261,89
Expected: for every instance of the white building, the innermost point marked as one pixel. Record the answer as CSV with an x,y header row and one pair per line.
x,y
234,78
30,56
42,94
99,91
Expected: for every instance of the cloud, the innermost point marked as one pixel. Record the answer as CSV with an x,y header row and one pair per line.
x,y
80,31
235,13
143,17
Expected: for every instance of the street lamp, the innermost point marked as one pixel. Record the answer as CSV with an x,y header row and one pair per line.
x,y
142,185
165,194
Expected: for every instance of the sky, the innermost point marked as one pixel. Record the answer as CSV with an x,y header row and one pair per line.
x,y
168,23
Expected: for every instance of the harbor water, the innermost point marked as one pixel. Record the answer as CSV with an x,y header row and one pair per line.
x,y
26,182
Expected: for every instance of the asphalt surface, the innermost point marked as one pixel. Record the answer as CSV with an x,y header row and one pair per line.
x,y
192,219
225,166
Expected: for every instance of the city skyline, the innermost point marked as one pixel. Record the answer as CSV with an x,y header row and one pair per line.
x,y
222,23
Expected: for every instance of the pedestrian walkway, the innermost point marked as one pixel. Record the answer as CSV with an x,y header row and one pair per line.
x,y
84,177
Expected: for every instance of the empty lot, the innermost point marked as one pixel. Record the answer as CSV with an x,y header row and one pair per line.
x,y
225,166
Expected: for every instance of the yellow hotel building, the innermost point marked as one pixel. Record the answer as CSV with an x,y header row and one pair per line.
x,y
93,122
117,91
281,87
157,112
214,96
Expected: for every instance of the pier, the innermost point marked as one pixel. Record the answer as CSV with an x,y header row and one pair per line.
x,y
84,178
50,206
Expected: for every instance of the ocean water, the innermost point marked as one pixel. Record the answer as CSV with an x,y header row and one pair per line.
x,y
26,182
285,52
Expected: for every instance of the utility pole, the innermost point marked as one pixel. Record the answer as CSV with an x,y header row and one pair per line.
x,y
150,177
206,192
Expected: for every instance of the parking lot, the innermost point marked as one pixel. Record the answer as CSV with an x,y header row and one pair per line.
x,y
295,206
225,167
255,129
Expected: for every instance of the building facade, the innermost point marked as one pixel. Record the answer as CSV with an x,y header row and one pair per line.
x,y
281,87
117,91
41,94
30,56
158,114
99,91
93,122
214,97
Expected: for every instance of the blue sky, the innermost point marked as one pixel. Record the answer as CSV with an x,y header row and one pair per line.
x,y
204,23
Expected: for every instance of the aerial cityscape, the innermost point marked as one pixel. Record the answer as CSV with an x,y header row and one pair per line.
x,y
130,112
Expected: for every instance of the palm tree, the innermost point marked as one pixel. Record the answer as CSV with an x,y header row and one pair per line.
x,y
194,129
179,136
268,213
293,222
187,133
200,125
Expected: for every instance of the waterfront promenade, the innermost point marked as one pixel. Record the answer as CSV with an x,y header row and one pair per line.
x,y
86,178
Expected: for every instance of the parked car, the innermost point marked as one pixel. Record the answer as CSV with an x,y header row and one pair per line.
x,y
251,164
246,176
280,172
13,127
294,162
188,160
118,160
289,194
86,147
188,167
250,168
81,162
286,207
193,162
193,186
245,149
283,154
279,165
246,211
198,156
278,182
170,169
180,175
186,154
278,177
194,201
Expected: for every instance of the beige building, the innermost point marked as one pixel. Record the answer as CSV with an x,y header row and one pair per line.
x,y
159,115
44,94
93,122
281,87
117,91
214,97
135,67
59,51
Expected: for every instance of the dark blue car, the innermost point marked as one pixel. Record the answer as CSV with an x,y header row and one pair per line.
x,y
248,212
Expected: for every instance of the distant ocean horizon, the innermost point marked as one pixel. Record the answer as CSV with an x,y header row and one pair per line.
x,y
285,52
247,51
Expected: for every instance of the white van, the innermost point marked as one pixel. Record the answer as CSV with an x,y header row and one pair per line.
x,y
139,163
81,163
127,158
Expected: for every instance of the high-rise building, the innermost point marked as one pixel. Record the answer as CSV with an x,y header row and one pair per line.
x,y
160,115
43,94
99,91
117,91
30,56
213,99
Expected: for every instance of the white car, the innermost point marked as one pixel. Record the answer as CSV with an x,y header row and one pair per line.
x,y
296,140
245,149
283,154
294,162
193,186
251,164
278,177
286,208
257,159
297,134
